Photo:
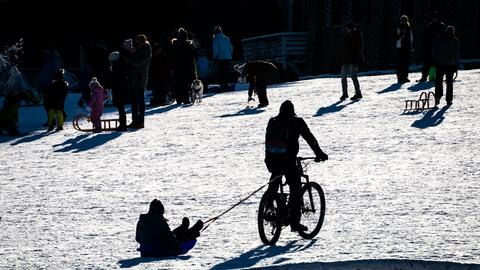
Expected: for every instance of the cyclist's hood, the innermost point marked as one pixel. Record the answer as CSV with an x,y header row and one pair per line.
x,y
287,110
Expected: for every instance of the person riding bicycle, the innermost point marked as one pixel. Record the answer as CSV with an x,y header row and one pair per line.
x,y
281,149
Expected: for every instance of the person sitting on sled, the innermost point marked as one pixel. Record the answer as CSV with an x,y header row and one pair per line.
x,y
157,240
95,104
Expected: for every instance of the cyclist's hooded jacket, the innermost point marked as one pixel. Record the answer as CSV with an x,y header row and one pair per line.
x,y
294,127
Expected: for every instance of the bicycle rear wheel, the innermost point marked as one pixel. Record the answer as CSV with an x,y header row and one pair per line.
x,y
269,225
313,209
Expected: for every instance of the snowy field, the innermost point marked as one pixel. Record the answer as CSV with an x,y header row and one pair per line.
x,y
402,189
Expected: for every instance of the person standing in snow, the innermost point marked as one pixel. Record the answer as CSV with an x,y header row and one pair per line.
x,y
222,50
183,63
404,49
139,61
161,75
55,97
51,64
281,149
95,104
351,57
260,74
433,30
445,56
118,82
157,240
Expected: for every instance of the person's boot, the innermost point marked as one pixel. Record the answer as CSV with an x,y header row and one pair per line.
x,y
343,97
356,96
298,228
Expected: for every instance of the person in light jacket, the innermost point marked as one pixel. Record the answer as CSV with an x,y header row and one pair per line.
x,y
222,55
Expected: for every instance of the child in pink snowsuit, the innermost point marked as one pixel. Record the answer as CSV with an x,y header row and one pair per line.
x,y
96,103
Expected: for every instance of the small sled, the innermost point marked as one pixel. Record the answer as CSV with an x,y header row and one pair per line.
x,y
82,122
422,103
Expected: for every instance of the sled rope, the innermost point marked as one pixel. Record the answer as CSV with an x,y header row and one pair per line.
x,y
211,220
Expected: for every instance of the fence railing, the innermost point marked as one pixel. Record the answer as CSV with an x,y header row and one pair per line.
x,y
285,49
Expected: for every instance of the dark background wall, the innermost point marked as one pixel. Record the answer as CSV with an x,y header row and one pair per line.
x,y
75,24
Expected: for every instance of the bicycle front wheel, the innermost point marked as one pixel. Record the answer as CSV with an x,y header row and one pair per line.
x,y
269,225
313,209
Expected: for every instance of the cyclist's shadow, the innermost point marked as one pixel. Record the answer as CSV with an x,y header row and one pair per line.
x,y
255,255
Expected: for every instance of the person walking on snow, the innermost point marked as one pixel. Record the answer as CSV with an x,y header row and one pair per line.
x,y
445,56
95,104
351,57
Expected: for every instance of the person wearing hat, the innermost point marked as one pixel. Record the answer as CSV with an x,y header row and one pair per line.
x,y
259,74
118,82
95,104
157,240
281,149
55,97
351,57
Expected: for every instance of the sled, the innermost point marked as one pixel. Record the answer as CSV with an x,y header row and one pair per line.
x,y
422,103
81,122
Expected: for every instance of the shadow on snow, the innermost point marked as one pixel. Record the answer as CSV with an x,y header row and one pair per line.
x,y
391,88
255,255
246,111
421,86
136,261
86,142
431,118
335,107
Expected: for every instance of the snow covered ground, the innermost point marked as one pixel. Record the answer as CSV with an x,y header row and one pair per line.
x,y
402,189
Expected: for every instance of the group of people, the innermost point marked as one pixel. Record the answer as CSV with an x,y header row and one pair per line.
x,y
153,233
440,53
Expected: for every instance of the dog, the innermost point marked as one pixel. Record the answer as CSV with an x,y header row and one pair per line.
x,y
197,91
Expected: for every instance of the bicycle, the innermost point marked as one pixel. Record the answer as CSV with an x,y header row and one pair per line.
x,y
273,209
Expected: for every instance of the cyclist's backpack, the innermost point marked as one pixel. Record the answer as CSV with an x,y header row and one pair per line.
x,y
276,142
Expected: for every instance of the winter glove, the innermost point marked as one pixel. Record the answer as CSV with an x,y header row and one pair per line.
x,y
321,157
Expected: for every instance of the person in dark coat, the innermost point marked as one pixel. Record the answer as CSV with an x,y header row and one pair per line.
x,y
139,62
404,49
260,74
118,82
295,127
433,30
157,240
351,57
51,64
445,56
183,53
56,95
160,73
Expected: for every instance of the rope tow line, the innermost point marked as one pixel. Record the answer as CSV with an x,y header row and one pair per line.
x,y
211,220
